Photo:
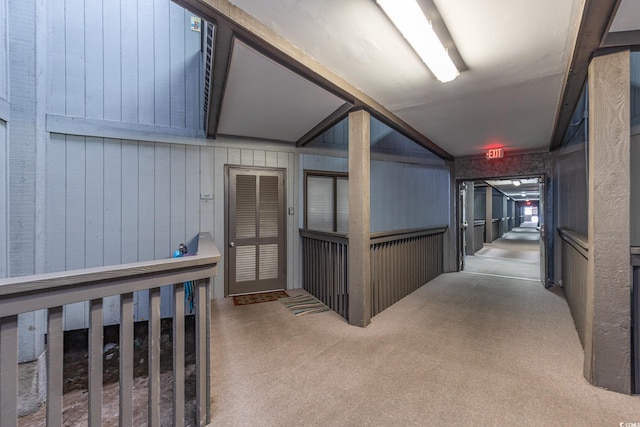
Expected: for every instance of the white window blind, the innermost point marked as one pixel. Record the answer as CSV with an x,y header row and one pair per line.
x,y
320,203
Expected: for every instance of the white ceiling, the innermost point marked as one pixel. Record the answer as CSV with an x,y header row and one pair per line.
x,y
528,186
517,52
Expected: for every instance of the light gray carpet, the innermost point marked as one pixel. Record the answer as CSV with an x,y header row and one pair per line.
x,y
466,349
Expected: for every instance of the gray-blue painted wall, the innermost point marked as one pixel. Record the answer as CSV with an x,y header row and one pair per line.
x,y
121,60
571,187
403,195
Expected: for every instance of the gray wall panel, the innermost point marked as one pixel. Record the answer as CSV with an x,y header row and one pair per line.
x,y
113,201
402,195
572,191
144,67
4,51
4,264
480,203
635,190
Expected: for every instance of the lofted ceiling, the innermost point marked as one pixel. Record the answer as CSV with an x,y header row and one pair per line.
x,y
517,52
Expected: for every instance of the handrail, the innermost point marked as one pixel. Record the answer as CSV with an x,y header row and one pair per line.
x,y
29,293
578,241
494,220
387,236
53,291
479,222
325,235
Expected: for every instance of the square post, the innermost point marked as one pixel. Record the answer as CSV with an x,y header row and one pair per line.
x,y
359,273
607,345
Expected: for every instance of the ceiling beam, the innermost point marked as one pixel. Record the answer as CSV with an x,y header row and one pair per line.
x,y
277,48
220,58
329,122
622,38
597,16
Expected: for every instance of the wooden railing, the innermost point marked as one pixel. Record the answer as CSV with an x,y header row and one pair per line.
x,y
53,291
401,262
478,234
325,268
575,255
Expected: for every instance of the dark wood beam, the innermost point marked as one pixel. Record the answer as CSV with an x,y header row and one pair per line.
x,y
329,122
277,48
622,38
220,58
597,16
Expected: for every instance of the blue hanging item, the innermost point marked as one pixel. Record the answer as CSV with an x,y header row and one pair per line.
x,y
188,286
188,294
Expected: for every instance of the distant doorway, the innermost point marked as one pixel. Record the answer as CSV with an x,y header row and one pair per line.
x,y
255,230
502,227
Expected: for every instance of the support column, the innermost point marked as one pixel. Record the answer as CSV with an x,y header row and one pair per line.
x,y
607,346
505,215
470,214
359,274
488,228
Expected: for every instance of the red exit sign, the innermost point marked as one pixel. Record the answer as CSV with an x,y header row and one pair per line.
x,y
495,153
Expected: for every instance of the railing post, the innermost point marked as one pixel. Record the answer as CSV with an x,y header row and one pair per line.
x,y
96,342
154,357
126,360
178,355
9,371
55,354
203,362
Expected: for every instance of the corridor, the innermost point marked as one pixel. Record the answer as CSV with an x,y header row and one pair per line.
x,y
481,347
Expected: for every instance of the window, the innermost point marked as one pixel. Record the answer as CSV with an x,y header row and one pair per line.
x,y
326,201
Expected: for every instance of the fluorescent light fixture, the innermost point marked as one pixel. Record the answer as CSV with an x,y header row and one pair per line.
x,y
523,194
516,183
408,17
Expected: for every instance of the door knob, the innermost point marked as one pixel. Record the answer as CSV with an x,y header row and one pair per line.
x,y
232,244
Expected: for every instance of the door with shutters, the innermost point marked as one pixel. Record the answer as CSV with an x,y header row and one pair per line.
x,y
255,230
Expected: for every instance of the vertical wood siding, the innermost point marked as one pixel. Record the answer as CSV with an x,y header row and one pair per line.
x,y
4,51
635,190
635,87
136,62
4,266
113,201
402,195
574,283
572,192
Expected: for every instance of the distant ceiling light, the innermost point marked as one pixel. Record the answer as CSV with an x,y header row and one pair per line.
x,y
408,17
516,183
523,194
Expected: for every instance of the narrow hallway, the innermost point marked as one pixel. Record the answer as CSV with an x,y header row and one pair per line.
x,y
516,254
467,348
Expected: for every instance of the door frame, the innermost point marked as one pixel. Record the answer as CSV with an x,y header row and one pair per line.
x,y
546,241
227,170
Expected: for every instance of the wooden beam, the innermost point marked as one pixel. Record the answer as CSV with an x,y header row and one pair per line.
x,y
280,50
597,16
329,122
622,38
220,58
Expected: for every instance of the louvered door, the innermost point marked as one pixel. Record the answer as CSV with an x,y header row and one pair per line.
x,y
256,251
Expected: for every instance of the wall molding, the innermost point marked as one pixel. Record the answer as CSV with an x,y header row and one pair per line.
x,y
83,126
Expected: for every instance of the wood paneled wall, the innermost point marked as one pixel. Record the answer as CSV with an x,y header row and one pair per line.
x,y
635,189
130,61
113,201
4,51
571,185
403,195
4,253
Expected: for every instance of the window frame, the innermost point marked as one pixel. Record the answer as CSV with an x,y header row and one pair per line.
x,y
324,174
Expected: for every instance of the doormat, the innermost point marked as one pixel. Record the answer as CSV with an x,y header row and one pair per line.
x,y
304,304
257,298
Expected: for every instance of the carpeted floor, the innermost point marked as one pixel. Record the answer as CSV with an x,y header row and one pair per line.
x,y
466,349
